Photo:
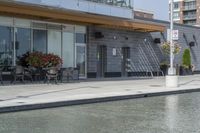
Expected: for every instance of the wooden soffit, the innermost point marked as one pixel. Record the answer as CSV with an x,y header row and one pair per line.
x,y
60,15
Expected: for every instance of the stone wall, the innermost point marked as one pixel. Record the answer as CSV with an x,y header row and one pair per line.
x,y
114,38
187,34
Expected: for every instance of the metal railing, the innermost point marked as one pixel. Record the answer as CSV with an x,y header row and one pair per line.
x,y
193,7
190,16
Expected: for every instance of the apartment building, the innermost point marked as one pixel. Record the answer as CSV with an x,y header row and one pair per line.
x,y
187,12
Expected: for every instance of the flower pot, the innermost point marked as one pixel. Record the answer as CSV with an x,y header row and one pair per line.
x,y
171,81
185,71
164,68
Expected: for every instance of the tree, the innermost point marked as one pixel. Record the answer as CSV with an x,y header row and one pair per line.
x,y
186,60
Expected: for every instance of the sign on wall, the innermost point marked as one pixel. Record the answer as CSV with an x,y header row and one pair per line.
x,y
114,51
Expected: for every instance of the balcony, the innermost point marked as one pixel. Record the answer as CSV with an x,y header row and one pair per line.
x,y
115,8
190,17
188,8
189,22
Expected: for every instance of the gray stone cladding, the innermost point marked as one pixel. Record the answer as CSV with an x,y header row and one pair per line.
x,y
187,34
144,52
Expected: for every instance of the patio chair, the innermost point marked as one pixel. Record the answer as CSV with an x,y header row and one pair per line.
x,y
66,73
18,74
28,74
1,73
69,73
37,73
52,74
76,73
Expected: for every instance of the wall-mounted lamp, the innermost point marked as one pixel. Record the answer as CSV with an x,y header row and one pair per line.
x,y
126,38
192,44
157,40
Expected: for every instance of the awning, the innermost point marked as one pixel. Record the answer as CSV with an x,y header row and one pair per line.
x,y
45,13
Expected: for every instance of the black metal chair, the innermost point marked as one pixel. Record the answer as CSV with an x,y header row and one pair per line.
x,y
52,74
28,74
66,74
76,73
37,73
69,73
1,75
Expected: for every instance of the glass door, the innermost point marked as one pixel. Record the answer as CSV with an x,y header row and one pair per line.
x,y
81,60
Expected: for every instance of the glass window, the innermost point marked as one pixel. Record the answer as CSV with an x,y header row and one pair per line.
x,y
23,23
54,27
6,21
23,41
81,59
39,25
176,15
68,28
80,29
176,5
68,49
80,38
40,40
54,42
6,48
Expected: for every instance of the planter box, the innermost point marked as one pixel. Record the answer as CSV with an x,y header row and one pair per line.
x,y
164,68
185,71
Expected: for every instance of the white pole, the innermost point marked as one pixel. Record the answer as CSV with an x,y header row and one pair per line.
x,y
171,71
172,78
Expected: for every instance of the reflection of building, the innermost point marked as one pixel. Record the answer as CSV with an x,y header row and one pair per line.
x,y
120,3
187,12
85,34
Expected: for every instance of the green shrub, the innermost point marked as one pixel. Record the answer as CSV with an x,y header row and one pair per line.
x,y
186,60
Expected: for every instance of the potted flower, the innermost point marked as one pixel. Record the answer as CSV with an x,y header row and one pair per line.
x,y
164,66
51,60
35,59
166,50
40,60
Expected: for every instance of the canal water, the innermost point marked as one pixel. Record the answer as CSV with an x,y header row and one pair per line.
x,y
165,114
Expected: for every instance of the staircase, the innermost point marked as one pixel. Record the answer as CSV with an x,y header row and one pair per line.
x,y
154,58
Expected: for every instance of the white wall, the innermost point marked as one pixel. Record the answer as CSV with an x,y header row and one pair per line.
x,y
86,6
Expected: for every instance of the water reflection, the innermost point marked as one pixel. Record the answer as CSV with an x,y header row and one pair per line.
x,y
167,114
171,112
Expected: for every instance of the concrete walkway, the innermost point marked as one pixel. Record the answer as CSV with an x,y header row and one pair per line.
x,y
22,97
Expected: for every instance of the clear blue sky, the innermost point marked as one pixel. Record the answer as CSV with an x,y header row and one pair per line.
x,y
159,7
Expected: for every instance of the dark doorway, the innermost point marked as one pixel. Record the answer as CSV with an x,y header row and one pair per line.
x,y
101,60
125,60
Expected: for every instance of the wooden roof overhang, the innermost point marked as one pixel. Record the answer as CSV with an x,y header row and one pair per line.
x,y
52,14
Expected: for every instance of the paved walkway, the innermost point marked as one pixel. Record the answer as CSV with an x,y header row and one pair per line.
x,y
23,95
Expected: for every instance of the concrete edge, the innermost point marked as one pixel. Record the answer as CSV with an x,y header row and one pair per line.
x,y
20,108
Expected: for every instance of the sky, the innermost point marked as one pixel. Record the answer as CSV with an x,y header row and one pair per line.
x,y
158,7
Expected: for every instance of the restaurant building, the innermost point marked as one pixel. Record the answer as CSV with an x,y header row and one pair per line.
x,y
99,37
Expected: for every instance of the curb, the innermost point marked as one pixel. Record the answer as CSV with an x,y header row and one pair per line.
x,y
12,109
